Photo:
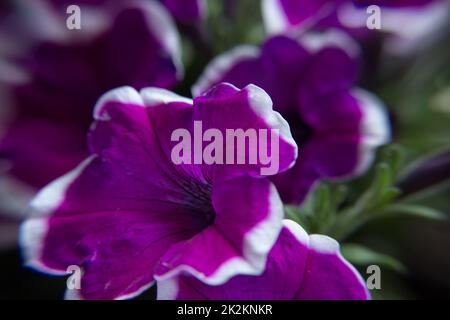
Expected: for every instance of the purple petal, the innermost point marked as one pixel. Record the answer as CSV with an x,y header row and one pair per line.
x,y
108,233
50,154
217,109
295,269
155,59
328,276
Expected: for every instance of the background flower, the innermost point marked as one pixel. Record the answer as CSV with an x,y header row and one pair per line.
x,y
424,19
311,81
61,78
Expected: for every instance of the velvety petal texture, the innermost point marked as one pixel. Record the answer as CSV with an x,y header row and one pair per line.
x,y
311,81
128,214
299,267
64,75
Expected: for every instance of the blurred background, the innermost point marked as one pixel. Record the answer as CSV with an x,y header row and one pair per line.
x,y
408,68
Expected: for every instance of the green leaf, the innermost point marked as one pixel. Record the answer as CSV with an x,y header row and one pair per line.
x,y
363,256
293,213
414,210
322,205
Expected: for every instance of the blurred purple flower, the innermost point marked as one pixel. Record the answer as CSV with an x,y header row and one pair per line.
x,y
57,75
128,214
299,267
311,82
423,18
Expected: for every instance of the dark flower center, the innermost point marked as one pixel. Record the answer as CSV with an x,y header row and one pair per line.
x,y
301,131
199,200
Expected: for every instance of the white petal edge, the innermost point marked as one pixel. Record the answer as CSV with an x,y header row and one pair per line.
x,y
33,231
164,28
374,128
262,104
257,244
315,41
221,64
168,288
146,97
124,94
328,246
421,21
155,96
275,21
425,26
51,196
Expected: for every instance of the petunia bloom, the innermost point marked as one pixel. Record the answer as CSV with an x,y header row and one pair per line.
x,y
128,214
58,74
299,267
311,82
423,17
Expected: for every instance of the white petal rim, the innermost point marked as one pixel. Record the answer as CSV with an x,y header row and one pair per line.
x,y
221,64
316,41
374,128
328,246
275,21
33,231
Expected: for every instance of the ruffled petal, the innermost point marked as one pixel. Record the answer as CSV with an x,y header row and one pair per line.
x,y
298,267
328,276
217,110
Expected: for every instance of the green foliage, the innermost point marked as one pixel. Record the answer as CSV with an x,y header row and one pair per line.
x,y
360,255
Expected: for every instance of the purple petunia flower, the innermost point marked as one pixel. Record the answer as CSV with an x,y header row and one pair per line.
x,y
57,74
299,267
128,214
423,17
311,82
